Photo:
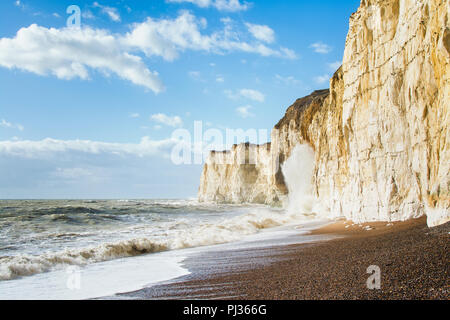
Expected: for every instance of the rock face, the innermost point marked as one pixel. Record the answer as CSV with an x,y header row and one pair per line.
x,y
381,134
241,175
395,111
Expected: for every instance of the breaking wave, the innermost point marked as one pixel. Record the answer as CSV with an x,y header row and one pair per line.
x,y
298,171
183,235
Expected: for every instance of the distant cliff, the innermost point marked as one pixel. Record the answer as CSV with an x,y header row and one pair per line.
x,y
381,134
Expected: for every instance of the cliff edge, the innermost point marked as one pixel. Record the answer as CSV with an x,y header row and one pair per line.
x,y
381,133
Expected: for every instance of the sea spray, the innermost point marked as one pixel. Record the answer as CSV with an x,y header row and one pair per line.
x,y
298,173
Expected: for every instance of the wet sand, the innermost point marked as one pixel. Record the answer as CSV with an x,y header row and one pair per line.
x,y
413,259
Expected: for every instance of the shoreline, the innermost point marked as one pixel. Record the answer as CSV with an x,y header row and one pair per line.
x,y
413,260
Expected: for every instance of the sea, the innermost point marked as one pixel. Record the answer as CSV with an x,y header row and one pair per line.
x,y
83,249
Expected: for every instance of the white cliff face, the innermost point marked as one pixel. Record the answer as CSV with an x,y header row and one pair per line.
x,y
241,175
381,135
395,112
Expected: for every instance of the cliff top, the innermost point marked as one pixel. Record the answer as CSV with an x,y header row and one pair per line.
x,y
295,111
247,145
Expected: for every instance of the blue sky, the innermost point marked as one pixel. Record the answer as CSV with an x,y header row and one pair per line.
x,y
89,112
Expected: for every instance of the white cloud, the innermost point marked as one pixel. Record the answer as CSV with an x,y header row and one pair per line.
x,y
67,53
261,32
289,80
322,79
220,79
246,93
55,14
174,121
90,169
168,37
111,12
288,53
334,65
320,47
50,147
244,112
134,115
252,95
6,124
221,5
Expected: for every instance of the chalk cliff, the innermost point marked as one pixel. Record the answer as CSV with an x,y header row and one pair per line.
x,y
381,134
230,176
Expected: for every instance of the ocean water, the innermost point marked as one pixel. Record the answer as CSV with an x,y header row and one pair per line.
x,y
116,245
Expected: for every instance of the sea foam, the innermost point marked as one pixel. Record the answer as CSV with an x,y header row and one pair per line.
x,y
187,234
298,173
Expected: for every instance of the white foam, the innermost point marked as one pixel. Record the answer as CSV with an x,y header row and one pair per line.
x,y
129,274
298,173
187,235
96,280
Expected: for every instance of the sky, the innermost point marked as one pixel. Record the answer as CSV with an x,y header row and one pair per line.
x,y
93,110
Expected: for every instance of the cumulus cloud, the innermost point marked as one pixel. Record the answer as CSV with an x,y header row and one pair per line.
x,y
68,53
221,5
162,118
111,12
320,47
168,37
288,53
6,124
261,32
244,112
49,147
250,94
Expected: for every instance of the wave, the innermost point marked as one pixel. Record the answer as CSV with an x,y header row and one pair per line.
x,y
204,234
66,210
299,172
36,213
